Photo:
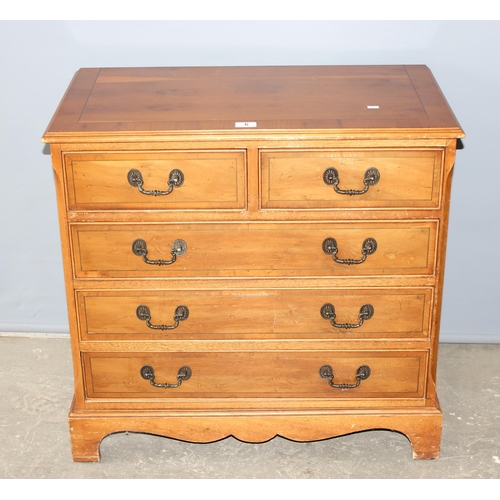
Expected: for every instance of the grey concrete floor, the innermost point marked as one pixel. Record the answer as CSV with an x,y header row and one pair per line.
x,y
36,391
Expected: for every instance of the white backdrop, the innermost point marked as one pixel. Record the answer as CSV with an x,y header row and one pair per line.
x,y
38,60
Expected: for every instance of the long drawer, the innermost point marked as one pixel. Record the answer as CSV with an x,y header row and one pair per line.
x,y
254,249
258,374
351,179
389,313
182,180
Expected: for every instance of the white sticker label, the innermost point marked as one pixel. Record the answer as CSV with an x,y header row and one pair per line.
x,y
245,124
372,107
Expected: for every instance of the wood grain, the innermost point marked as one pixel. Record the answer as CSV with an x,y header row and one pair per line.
x,y
254,212
212,180
242,314
113,102
294,179
254,249
257,374
421,426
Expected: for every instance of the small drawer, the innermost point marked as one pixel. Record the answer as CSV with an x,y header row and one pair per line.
x,y
254,249
351,179
383,313
257,374
187,180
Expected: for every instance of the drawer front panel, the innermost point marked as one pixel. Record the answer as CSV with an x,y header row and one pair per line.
x,y
255,374
295,179
233,314
211,180
218,250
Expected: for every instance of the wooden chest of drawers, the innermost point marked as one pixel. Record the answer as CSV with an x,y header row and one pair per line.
x,y
254,251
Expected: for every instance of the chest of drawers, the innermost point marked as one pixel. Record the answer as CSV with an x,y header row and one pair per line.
x,y
254,251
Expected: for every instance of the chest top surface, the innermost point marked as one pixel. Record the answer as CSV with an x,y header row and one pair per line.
x,y
346,100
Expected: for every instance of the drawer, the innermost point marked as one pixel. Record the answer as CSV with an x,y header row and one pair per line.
x,y
399,179
208,180
256,374
385,313
254,249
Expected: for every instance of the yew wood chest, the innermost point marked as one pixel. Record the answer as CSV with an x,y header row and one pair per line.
x,y
254,251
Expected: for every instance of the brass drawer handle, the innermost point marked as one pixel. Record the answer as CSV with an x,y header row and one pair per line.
x,y
140,248
176,179
328,312
330,248
331,178
148,373
181,314
326,372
